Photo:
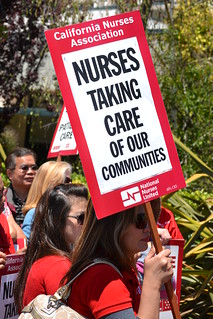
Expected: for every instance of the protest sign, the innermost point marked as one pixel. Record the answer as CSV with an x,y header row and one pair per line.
x,y
108,82
63,142
176,247
7,278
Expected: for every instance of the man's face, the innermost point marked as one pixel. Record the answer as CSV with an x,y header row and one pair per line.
x,y
23,173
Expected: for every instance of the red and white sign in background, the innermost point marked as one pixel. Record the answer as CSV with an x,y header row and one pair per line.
x,y
7,280
63,142
176,247
110,89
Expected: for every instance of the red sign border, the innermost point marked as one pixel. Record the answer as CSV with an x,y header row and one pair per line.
x,y
103,202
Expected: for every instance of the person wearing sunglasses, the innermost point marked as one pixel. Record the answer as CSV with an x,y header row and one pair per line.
x,y
101,292
21,169
59,217
49,174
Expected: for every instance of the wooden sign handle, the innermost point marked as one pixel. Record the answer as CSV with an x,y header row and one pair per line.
x,y
158,247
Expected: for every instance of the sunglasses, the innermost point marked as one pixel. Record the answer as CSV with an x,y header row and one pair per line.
x,y
141,221
80,218
25,168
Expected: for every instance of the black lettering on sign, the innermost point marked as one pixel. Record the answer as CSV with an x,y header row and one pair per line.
x,y
10,310
103,66
64,127
8,290
124,121
66,135
114,94
137,141
132,164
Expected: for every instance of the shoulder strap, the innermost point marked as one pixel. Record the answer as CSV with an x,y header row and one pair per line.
x,y
64,291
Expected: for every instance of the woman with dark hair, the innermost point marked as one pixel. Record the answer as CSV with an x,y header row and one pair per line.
x,y
100,291
58,223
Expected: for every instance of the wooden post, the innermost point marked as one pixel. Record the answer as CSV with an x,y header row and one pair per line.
x,y
58,158
158,247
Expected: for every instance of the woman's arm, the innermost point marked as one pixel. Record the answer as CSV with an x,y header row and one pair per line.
x,y
123,314
15,229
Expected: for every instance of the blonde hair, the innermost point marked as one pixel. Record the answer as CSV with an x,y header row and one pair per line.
x,y
48,175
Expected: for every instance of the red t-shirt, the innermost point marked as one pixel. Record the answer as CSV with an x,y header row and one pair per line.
x,y
167,220
100,291
45,276
6,242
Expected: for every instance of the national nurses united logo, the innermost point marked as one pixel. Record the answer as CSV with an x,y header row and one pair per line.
x,y
131,196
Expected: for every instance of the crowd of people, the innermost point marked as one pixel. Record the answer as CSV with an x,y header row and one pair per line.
x,y
63,235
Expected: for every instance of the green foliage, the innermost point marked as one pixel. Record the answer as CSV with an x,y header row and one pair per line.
x,y
5,179
182,57
193,211
78,178
8,139
194,215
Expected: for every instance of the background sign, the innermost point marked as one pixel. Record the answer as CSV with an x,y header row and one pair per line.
x,y
176,247
63,142
7,279
111,92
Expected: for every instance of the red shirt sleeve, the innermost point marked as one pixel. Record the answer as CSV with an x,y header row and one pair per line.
x,y
6,242
45,276
101,291
167,220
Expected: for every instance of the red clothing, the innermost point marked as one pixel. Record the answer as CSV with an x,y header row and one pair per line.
x,y
100,291
45,276
6,242
167,220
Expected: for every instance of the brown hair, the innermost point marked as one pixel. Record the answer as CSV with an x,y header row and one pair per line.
x,y
47,234
103,238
